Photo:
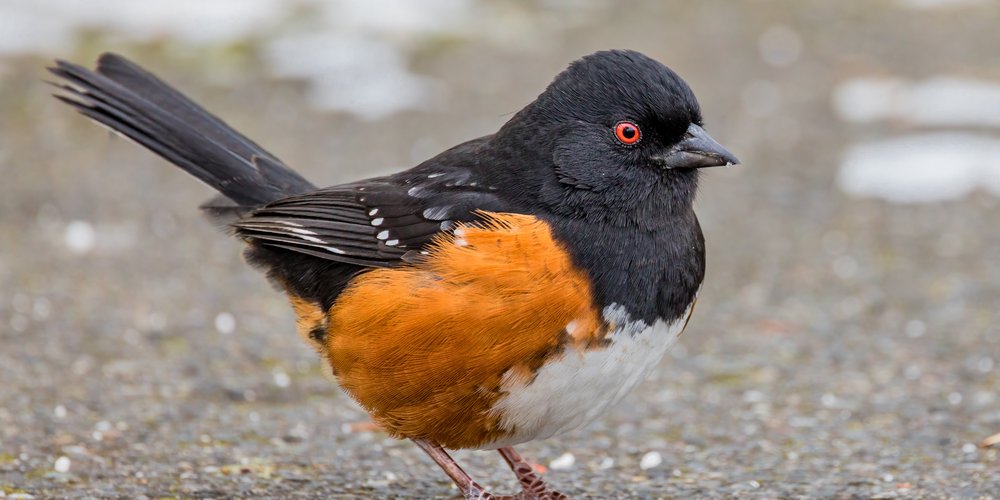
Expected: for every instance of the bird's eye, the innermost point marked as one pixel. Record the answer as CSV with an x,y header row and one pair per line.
x,y
627,132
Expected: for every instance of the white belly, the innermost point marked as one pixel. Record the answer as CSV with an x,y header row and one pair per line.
x,y
573,390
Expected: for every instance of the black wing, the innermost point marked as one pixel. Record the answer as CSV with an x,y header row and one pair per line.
x,y
374,223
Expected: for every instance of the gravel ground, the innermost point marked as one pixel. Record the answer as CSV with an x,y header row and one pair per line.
x,y
842,347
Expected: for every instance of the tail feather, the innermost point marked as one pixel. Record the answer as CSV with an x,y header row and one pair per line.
x,y
133,102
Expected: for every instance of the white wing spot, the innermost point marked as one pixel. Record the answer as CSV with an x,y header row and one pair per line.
x,y
435,174
436,213
302,231
383,235
335,250
373,211
311,238
392,243
377,221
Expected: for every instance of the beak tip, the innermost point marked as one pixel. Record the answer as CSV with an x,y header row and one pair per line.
x,y
729,158
703,151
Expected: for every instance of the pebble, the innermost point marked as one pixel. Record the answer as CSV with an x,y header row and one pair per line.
x,y
281,379
79,236
225,323
650,460
563,462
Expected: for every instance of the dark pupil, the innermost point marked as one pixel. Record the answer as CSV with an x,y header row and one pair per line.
x,y
628,132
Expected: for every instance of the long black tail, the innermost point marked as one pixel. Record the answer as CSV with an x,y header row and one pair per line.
x,y
131,101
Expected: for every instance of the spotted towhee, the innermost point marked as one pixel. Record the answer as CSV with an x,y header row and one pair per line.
x,y
511,288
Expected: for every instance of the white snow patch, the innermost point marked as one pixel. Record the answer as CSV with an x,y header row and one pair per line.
x,y
52,26
941,4
922,168
356,73
938,101
353,55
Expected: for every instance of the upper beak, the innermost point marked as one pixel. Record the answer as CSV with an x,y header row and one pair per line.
x,y
696,150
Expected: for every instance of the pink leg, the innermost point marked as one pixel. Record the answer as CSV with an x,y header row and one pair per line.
x,y
532,483
470,489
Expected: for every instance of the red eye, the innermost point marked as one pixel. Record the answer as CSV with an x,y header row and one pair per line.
x,y
627,132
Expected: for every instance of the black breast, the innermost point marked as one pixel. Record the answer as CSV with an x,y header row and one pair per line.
x,y
654,274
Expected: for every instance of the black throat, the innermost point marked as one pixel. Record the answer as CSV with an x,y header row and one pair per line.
x,y
654,271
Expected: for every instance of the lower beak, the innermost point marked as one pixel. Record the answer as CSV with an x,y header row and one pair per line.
x,y
696,150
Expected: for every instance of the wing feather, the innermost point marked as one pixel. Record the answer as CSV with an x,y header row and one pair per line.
x,y
373,223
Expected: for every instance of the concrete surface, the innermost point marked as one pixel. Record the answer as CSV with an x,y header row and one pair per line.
x,y
842,347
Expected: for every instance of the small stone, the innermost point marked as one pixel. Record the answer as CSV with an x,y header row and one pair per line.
x,y
79,236
225,323
281,379
564,462
650,460
62,464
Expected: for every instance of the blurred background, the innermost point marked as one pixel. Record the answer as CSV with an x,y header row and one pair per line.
x,y
845,345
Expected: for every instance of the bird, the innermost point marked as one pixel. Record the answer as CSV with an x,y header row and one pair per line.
x,y
509,289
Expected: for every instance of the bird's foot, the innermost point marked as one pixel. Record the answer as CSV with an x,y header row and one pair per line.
x,y
532,486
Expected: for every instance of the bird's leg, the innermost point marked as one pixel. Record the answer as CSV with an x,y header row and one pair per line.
x,y
532,483
470,489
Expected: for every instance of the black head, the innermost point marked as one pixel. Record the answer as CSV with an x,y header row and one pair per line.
x,y
617,136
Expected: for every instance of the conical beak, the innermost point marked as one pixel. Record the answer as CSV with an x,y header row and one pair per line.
x,y
696,150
